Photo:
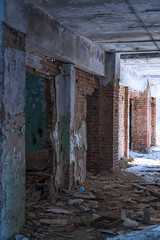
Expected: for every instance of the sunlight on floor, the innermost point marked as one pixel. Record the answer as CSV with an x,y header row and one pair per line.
x,y
145,162
146,166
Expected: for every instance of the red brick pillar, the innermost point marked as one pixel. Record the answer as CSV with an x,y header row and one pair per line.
x,y
141,123
121,128
153,121
103,124
126,123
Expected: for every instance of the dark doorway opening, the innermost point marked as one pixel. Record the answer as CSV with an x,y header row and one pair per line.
x,y
39,122
35,115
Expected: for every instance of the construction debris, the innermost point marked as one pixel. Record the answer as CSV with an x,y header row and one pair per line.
x,y
110,203
130,223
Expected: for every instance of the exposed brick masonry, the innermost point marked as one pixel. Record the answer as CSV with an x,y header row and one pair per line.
x,y
86,85
141,123
121,134
153,121
103,129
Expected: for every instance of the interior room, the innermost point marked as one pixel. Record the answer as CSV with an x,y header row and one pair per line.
x,y
79,119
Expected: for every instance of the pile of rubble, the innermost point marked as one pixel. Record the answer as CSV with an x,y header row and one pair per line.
x,y
105,205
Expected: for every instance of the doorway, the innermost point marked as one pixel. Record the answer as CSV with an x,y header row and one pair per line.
x,y
35,115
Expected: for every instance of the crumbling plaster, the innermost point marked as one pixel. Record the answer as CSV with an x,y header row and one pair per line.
x,y
12,159
12,119
63,133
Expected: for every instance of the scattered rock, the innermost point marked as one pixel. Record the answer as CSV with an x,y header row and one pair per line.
x,y
130,223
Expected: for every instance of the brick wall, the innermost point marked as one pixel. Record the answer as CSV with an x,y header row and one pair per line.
x,y
133,93
153,121
126,121
93,123
141,123
86,85
103,129
121,132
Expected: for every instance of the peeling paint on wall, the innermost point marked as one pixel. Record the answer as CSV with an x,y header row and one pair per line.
x,y
81,137
12,159
57,148
13,211
2,6
63,134
62,140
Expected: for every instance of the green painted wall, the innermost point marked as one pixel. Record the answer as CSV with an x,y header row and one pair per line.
x,y
35,110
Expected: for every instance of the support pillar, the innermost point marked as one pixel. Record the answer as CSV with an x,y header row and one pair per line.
x,y
126,123
141,122
12,117
153,121
103,106
65,98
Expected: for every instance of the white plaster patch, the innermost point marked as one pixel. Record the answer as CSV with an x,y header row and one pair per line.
x,y
72,151
57,146
81,137
81,176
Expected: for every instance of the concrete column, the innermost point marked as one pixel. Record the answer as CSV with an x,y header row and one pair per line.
x,y
12,117
65,98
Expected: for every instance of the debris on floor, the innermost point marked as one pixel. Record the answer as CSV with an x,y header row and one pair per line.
x,y
104,206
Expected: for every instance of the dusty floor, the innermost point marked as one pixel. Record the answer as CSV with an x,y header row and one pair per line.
x,y
127,190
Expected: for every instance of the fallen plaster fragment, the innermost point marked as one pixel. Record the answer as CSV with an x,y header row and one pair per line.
x,y
85,196
58,210
95,216
75,201
60,222
130,223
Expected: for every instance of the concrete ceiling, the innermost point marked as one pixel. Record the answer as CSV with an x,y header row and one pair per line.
x,y
115,25
144,66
